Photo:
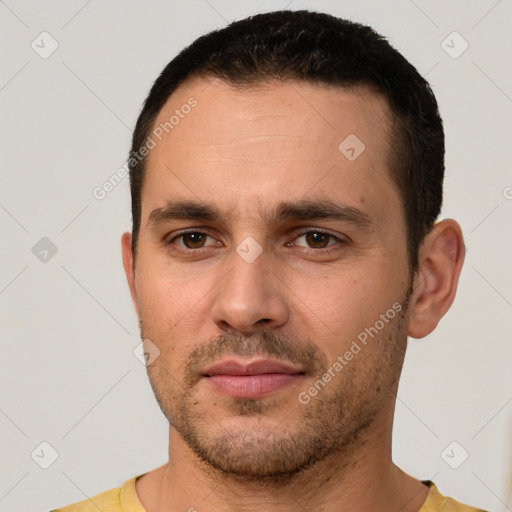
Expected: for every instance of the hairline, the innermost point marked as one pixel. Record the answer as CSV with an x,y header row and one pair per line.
x,y
394,130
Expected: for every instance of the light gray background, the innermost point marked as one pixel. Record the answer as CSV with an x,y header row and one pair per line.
x,y
69,376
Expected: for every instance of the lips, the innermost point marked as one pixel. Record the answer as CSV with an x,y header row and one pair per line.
x,y
254,379
259,367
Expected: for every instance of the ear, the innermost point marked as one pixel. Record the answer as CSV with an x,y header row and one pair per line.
x,y
440,262
129,268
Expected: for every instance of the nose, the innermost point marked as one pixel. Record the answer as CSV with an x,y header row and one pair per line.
x,y
250,297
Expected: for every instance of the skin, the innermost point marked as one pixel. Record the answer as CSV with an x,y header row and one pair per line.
x,y
244,151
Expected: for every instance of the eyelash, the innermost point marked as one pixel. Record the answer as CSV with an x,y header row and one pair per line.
x,y
322,250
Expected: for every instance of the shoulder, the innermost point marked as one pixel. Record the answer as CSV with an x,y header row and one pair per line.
x,y
436,502
121,499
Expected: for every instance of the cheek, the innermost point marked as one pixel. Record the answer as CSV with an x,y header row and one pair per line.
x,y
172,309
165,297
335,309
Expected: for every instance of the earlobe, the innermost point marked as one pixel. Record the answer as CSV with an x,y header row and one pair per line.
x,y
129,268
440,263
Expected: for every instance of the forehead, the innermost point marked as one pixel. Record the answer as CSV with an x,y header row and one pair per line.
x,y
252,146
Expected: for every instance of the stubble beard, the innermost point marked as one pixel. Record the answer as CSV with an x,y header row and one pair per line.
x,y
330,425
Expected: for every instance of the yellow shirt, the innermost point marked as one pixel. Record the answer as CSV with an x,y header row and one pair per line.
x,y
125,499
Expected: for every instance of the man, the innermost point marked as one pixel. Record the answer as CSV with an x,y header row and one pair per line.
x,y
286,176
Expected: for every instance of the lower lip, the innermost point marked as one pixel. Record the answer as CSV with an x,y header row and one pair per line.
x,y
252,386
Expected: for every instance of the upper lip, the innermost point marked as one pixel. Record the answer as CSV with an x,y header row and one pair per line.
x,y
259,367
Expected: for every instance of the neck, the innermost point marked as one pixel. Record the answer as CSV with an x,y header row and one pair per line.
x,y
359,478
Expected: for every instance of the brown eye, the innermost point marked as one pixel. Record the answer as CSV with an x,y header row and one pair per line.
x,y
193,240
317,239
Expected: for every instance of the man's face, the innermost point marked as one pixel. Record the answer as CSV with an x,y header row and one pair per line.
x,y
280,315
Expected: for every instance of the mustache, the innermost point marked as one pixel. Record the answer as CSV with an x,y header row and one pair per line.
x,y
270,344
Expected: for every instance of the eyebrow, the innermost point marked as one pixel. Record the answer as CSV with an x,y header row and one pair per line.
x,y
301,210
183,210
308,209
